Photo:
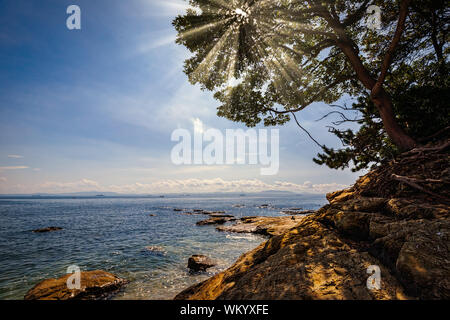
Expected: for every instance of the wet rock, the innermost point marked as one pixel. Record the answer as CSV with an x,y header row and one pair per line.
x,y
177,210
200,263
95,285
48,229
155,249
220,215
215,220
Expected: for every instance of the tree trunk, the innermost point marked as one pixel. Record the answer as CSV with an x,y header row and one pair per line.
x,y
381,99
383,102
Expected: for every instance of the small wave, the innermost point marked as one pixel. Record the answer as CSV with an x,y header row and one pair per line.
x,y
242,237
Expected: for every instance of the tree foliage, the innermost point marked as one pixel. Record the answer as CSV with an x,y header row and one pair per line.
x,y
267,59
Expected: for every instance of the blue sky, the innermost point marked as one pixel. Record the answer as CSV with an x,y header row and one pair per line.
x,y
94,109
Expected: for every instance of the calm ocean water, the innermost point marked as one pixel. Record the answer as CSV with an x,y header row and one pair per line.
x,y
111,234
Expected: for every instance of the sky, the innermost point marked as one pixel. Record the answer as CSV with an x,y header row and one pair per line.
x,y
94,109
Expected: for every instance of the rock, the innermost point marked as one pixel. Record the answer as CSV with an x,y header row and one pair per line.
x,y
156,249
262,225
297,212
422,262
177,210
152,215
48,229
378,221
215,220
365,204
220,215
309,261
188,213
352,224
200,263
95,285
410,209
339,196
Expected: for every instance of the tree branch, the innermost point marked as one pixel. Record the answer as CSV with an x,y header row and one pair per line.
x,y
310,136
313,99
394,43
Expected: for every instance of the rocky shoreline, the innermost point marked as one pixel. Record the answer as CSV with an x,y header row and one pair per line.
x,y
383,221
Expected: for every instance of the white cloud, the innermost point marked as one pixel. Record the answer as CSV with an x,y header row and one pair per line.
x,y
82,185
13,168
190,186
15,156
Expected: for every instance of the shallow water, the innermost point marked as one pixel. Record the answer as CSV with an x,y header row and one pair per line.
x,y
111,234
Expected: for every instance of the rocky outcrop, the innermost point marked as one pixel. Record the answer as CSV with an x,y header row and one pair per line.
x,y
297,211
401,225
220,215
200,263
95,285
48,229
215,220
270,226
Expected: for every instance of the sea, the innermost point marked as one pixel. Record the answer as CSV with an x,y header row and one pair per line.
x,y
113,233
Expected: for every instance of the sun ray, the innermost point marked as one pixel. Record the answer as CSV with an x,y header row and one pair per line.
x,y
195,31
212,54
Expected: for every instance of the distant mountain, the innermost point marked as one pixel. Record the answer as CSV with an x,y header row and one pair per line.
x,y
276,191
89,194
99,194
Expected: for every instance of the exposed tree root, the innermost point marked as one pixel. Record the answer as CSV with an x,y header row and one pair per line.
x,y
414,183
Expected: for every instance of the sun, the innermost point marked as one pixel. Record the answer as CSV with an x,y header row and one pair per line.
x,y
252,30
241,12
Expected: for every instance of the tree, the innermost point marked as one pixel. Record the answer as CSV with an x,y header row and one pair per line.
x,y
426,107
266,59
420,91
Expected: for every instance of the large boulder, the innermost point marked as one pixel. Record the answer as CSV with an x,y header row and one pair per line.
x,y
95,285
199,262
